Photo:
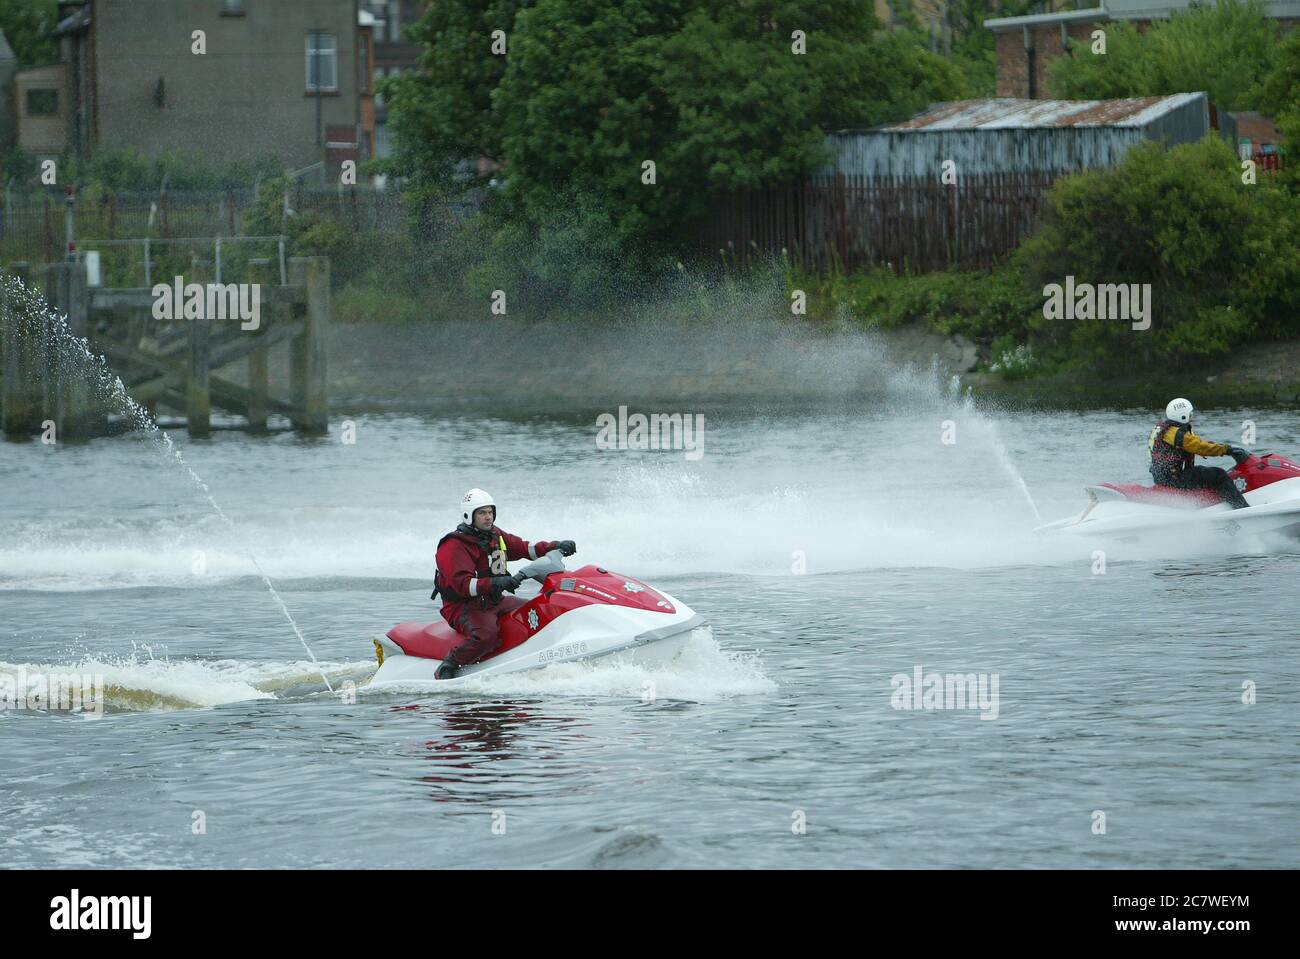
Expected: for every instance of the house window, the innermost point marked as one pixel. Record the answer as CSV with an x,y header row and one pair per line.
x,y
232,8
42,103
322,63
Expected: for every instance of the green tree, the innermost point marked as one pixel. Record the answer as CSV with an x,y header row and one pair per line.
x,y
27,25
442,113
711,91
1225,50
973,49
1279,90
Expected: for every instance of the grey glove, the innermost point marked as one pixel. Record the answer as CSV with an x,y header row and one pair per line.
x,y
566,546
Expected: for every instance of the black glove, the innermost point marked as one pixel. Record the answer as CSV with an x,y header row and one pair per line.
x,y
565,546
505,584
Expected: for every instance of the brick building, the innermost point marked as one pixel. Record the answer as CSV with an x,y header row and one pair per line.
x,y
395,53
1026,45
286,80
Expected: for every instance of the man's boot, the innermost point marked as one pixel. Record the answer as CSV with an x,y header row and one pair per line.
x,y
447,670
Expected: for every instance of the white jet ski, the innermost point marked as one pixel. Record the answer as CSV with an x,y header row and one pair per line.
x,y
578,615
1269,482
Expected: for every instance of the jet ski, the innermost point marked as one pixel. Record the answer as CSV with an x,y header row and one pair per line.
x,y
577,615
1269,482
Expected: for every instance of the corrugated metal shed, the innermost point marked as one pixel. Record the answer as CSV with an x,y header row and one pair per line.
x,y
1035,114
1010,136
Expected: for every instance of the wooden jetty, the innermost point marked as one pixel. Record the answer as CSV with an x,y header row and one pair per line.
x,y
171,363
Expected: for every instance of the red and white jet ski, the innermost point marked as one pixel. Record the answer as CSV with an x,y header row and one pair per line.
x,y
578,615
1269,482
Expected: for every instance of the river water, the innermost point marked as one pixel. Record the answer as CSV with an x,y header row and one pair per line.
x,y
832,549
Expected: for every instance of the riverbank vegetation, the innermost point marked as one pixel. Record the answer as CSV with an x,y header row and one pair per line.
x,y
573,175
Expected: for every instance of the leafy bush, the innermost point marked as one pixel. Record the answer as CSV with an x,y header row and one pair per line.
x,y
979,305
1014,361
571,261
1220,256
1222,259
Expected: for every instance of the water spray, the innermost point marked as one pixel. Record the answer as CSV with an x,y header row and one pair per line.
x,y
32,305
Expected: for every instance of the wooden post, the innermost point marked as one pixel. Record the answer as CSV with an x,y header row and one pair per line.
x,y
19,403
80,411
50,347
257,382
309,393
198,395
198,386
260,274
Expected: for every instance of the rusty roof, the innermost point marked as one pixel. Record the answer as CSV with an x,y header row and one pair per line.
x,y
1004,113
1256,126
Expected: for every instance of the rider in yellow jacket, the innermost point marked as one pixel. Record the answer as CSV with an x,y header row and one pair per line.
x,y
1174,448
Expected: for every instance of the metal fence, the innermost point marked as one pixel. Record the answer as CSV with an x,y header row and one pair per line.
x,y
850,221
32,225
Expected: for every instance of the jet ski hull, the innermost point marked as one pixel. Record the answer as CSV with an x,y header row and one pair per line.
x,y
590,614
1269,483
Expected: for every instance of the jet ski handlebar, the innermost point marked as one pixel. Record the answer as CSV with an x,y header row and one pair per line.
x,y
539,569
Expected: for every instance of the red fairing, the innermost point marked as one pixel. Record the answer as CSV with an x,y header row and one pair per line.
x,y
561,593
1256,470
1263,469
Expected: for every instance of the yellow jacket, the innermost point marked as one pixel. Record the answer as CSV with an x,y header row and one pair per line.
x,y
1193,443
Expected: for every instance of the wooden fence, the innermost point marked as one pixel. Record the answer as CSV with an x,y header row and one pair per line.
x,y
851,221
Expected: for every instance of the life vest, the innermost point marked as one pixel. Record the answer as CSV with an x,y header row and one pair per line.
x,y
1167,459
495,563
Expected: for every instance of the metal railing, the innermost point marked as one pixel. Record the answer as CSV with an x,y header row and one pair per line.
x,y
149,242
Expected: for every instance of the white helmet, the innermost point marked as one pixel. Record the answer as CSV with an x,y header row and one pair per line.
x,y
1179,410
475,499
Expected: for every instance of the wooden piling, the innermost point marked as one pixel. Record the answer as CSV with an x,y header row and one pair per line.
x,y
198,392
198,386
307,378
46,372
80,411
176,364
19,404
258,360
257,386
